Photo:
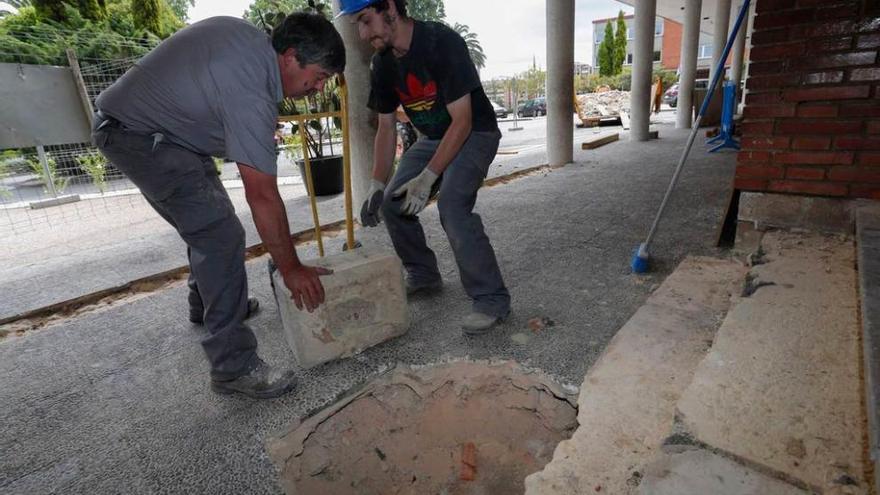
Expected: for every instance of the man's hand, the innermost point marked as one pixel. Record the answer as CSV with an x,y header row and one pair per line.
x,y
417,191
370,210
305,286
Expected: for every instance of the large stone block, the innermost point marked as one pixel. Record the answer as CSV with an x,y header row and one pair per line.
x,y
365,304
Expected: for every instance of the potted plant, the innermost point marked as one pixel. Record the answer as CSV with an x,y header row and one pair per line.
x,y
325,158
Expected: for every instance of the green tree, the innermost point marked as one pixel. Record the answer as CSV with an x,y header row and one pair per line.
x,y
147,15
426,10
264,12
606,52
473,44
619,44
8,7
58,11
180,8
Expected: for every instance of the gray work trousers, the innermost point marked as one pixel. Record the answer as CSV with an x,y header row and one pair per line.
x,y
458,188
185,189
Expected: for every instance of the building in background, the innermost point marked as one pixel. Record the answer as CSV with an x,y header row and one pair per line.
x,y
667,43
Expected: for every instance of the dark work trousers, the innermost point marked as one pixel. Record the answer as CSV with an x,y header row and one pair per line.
x,y
185,189
458,188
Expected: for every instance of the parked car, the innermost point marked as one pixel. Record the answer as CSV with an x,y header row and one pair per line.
x,y
500,111
670,97
533,108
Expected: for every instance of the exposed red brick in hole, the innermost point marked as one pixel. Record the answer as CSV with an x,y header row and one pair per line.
x,y
468,462
807,187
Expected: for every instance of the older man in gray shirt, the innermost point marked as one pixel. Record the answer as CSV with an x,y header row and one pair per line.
x,y
212,89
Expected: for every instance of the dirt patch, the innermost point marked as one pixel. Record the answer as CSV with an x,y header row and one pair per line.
x,y
455,428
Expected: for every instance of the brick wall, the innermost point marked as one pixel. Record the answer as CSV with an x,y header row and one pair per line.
x,y
811,122
670,52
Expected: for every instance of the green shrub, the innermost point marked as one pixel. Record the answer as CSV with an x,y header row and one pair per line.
x,y
95,165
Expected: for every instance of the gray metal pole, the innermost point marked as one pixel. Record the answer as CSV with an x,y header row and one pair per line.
x,y
643,63
50,178
560,82
690,45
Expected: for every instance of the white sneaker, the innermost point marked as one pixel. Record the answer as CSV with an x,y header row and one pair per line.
x,y
476,323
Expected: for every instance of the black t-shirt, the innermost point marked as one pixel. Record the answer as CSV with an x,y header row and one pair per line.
x,y
436,70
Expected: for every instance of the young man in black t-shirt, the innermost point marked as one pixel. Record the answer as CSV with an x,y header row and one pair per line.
x,y
426,67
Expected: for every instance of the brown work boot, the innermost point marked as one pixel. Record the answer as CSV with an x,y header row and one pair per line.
x,y
262,382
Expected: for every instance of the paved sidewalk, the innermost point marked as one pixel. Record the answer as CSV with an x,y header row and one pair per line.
x,y
117,400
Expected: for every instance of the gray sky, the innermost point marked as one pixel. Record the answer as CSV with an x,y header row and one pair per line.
x,y
510,31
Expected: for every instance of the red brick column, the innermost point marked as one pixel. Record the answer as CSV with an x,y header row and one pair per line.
x,y
811,123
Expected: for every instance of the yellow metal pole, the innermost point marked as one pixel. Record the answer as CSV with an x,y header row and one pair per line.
x,y
346,164
310,187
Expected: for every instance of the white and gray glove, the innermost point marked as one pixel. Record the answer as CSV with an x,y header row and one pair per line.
x,y
370,210
417,191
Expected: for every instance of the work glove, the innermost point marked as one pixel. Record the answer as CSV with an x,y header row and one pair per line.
x,y
370,210
417,191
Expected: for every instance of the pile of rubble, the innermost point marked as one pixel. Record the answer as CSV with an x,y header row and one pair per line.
x,y
603,104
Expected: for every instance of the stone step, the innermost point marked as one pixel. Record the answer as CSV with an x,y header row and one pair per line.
x,y
627,400
780,390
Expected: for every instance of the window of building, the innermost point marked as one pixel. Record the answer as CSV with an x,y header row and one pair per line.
x,y
656,56
705,51
629,59
658,27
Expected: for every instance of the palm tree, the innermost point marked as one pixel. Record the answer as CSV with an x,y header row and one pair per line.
x,y
473,44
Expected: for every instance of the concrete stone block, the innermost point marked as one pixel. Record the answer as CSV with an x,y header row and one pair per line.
x,y
365,304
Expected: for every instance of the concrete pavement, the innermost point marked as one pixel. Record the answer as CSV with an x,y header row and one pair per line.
x,y
117,400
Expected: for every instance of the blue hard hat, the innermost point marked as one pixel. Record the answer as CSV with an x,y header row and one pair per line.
x,y
348,7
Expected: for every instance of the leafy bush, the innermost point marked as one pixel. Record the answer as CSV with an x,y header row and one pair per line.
x,y
95,165
36,167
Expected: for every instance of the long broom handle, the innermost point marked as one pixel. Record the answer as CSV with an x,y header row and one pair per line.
x,y
696,125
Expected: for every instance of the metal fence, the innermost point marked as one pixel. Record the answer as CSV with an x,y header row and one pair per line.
x,y
75,174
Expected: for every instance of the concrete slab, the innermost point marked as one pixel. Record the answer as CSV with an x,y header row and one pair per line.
x,y
365,304
699,472
868,244
627,400
781,386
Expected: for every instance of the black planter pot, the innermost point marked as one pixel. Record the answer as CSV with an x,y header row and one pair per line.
x,y
326,174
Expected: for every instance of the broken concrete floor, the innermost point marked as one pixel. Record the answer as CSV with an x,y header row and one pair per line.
x,y
458,428
772,405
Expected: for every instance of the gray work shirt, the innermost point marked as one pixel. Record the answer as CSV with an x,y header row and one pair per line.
x,y
212,87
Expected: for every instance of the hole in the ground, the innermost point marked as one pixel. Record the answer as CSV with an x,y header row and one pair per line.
x,y
454,428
